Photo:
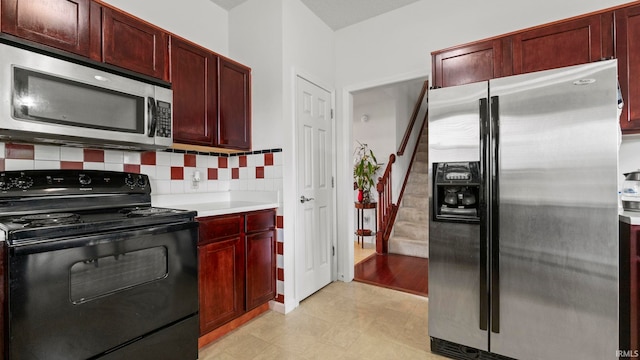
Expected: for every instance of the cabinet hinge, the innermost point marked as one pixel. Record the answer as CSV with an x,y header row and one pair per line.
x,y
332,113
333,250
333,184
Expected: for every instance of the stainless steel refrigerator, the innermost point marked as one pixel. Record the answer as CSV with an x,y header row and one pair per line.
x,y
523,231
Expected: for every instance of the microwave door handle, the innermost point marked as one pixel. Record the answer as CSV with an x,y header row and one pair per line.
x,y
153,118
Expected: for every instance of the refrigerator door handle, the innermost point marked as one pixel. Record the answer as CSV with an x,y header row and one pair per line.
x,y
484,225
494,229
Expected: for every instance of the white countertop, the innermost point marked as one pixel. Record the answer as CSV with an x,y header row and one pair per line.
x,y
629,217
212,204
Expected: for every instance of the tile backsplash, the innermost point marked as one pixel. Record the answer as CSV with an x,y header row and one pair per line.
x,y
170,172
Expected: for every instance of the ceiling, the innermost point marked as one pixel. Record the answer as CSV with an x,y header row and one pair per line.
x,y
338,14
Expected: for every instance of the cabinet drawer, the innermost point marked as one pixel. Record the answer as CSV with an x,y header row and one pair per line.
x,y
220,227
261,220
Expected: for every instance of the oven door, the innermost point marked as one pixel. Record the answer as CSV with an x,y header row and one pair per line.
x,y
86,297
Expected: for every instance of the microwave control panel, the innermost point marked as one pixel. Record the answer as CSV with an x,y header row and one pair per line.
x,y
163,128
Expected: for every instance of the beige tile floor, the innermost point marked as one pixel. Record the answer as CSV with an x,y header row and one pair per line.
x,y
348,321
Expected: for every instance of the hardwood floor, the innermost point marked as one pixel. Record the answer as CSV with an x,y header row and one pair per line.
x,y
398,272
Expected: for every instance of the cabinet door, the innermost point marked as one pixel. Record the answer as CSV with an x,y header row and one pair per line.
x,y
234,118
194,76
628,54
572,42
261,268
134,45
467,64
63,24
221,282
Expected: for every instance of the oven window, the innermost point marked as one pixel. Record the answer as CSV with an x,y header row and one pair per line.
x,y
97,277
49,99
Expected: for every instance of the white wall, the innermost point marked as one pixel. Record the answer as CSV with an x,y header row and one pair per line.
x,y
200,21
379,131
256,40
294,42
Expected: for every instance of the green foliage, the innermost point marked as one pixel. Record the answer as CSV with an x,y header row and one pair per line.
x,y
365,167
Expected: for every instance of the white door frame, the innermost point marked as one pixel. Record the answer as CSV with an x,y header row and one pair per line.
x,y
334,263
345,196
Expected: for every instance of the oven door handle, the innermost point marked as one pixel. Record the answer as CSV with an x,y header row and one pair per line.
x,y
97,238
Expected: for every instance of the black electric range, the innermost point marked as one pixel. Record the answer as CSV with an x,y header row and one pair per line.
x,y
89,260
42,205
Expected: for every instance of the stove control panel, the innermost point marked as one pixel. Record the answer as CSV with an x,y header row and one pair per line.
x,y
68,182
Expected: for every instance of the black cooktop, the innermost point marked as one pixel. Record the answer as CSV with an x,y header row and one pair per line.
x,y
40,205
45,226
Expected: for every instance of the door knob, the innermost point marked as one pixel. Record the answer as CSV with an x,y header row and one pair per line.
x,y
304,199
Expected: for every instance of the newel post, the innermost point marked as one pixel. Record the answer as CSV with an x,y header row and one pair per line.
x,y
385,205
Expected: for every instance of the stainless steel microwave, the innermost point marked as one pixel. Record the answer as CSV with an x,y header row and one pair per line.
x,y
47,99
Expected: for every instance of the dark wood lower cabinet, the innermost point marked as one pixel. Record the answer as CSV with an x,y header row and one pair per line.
x,y
221,282
261,266
237,266
629,285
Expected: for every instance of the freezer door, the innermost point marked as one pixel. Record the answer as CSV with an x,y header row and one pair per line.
x,y
455,276
557,237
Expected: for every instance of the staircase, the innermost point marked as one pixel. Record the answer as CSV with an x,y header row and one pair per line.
x,y
411,229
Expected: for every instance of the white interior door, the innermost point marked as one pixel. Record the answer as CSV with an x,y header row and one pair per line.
x,y
314,227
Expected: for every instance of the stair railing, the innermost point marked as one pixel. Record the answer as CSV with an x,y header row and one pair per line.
x,y
387,209
412,121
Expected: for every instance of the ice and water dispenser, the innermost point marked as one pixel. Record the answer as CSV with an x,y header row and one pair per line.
x,y
456,191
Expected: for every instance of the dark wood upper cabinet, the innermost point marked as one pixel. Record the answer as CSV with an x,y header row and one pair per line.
x,y
62,24
628,54
468,63
569,42
572,42
234,117
134,45
194,76
212,98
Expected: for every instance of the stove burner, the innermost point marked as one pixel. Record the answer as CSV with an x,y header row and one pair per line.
x,y
48,219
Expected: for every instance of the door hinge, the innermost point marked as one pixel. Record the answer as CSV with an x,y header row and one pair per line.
x,y
333,184
333,250
332,113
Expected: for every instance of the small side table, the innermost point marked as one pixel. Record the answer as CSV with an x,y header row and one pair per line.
x,y
361,232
